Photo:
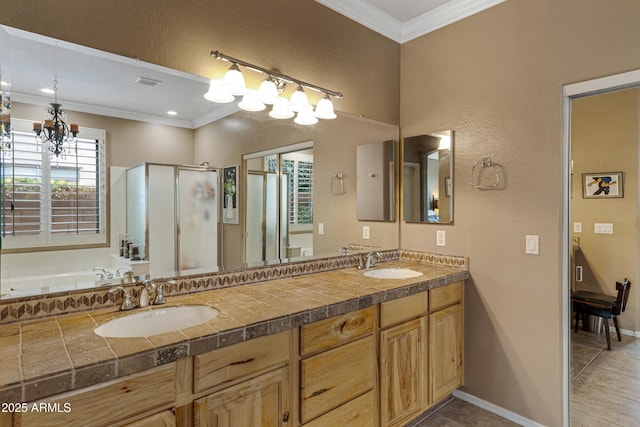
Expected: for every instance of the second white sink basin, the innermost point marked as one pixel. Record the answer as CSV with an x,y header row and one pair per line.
x,y
156,321
392,273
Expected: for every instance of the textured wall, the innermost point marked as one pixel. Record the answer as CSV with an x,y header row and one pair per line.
x,y
496,79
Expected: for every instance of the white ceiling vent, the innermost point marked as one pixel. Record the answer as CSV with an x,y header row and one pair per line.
x,y
148,81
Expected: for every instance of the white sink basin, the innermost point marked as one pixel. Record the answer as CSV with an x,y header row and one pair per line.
x,y
392,273
156,321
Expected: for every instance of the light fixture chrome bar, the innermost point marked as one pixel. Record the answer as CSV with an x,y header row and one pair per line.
x,y
219,55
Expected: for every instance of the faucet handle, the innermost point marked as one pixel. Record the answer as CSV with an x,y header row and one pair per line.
x,y
159,299
343,250
126,297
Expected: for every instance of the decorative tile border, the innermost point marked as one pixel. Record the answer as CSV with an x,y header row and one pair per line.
x,y
446,260
40,306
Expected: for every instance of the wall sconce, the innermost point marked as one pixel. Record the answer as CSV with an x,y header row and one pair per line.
x,y
233,84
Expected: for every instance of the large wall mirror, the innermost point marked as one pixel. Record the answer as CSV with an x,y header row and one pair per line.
x,y
427,178
129,101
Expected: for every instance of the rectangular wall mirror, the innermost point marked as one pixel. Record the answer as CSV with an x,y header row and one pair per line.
x,y
427,178
376,169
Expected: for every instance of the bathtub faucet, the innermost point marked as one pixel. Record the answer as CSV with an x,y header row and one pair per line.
x,y
104,274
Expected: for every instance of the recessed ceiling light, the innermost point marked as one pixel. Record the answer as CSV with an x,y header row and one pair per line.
x,y
172,113
47,90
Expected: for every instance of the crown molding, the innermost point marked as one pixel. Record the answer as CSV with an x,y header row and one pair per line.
x,y
377,20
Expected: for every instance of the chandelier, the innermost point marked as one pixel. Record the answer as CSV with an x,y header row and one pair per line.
x,y
269,93
54,131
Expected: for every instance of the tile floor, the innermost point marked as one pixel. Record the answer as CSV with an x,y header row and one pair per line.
x,y
605,384
458,413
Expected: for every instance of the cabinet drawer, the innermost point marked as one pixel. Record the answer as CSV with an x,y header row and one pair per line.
x,y
334,377
355,413
163,419
402,309
336,330
109,403
239,360
445,295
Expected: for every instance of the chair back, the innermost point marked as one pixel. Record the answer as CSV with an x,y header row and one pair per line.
x,y
623,296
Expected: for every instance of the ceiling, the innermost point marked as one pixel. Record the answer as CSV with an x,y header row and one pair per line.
x,y
405,20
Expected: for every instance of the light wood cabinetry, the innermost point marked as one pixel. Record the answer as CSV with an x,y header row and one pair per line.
x,y
379,366
108,404
338,368
403,371
260,401
445,351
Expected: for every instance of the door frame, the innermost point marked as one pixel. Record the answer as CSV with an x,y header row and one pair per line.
x,y
569,92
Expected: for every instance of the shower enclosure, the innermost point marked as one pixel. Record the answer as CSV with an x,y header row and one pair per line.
x,y
172,212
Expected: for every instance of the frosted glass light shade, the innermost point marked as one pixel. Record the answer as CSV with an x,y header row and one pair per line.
x,y
233,81
217,93
268,92
305,117
298,100
251,102
281,109
324,109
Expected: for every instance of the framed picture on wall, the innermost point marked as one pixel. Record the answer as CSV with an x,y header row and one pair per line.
x,y
230,195
602,185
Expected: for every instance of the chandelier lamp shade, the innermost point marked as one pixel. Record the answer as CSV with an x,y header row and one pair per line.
x,y
54,131
270,93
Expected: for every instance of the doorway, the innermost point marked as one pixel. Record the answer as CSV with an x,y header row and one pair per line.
x,y
279,215
596,131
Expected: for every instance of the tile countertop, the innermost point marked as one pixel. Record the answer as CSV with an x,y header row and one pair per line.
x,y
57,354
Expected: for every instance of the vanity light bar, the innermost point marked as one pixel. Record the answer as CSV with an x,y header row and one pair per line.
x,y
274,74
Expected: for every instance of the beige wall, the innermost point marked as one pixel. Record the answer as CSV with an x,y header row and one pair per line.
x,y
496,79
129,142
300,38
224,142
604,138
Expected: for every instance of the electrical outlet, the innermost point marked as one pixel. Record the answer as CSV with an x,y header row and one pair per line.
x,y
441,238
577,227
365,232
320,228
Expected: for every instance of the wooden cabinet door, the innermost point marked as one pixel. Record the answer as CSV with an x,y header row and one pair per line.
x,y
403,370
445,351
263,401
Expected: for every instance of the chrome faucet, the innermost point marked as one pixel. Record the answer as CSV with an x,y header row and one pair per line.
x,y
104,274
371,259
126,297
127,275
344,251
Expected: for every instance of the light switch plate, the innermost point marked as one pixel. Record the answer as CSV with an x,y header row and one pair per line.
x,y
320,228
603,228
577,227
532,244
365,232
441,238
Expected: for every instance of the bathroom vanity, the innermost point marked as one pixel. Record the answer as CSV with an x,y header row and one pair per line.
x,y
330,348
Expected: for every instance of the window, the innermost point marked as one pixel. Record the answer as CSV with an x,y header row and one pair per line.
x,y
53,201
300,190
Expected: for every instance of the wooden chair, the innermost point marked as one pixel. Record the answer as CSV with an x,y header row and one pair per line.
x,y
602,305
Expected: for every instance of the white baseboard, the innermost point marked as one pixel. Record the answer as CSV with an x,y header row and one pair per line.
x,y
625,332
504,413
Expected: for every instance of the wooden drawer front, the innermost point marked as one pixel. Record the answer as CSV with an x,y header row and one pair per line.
x,y
358,412
402,309
336,376
336,330
109,403
445,295
226,364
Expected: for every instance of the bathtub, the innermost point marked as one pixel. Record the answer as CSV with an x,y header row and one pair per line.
x,y
34,285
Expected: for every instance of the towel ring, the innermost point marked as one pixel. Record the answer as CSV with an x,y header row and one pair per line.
x,y
485,163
